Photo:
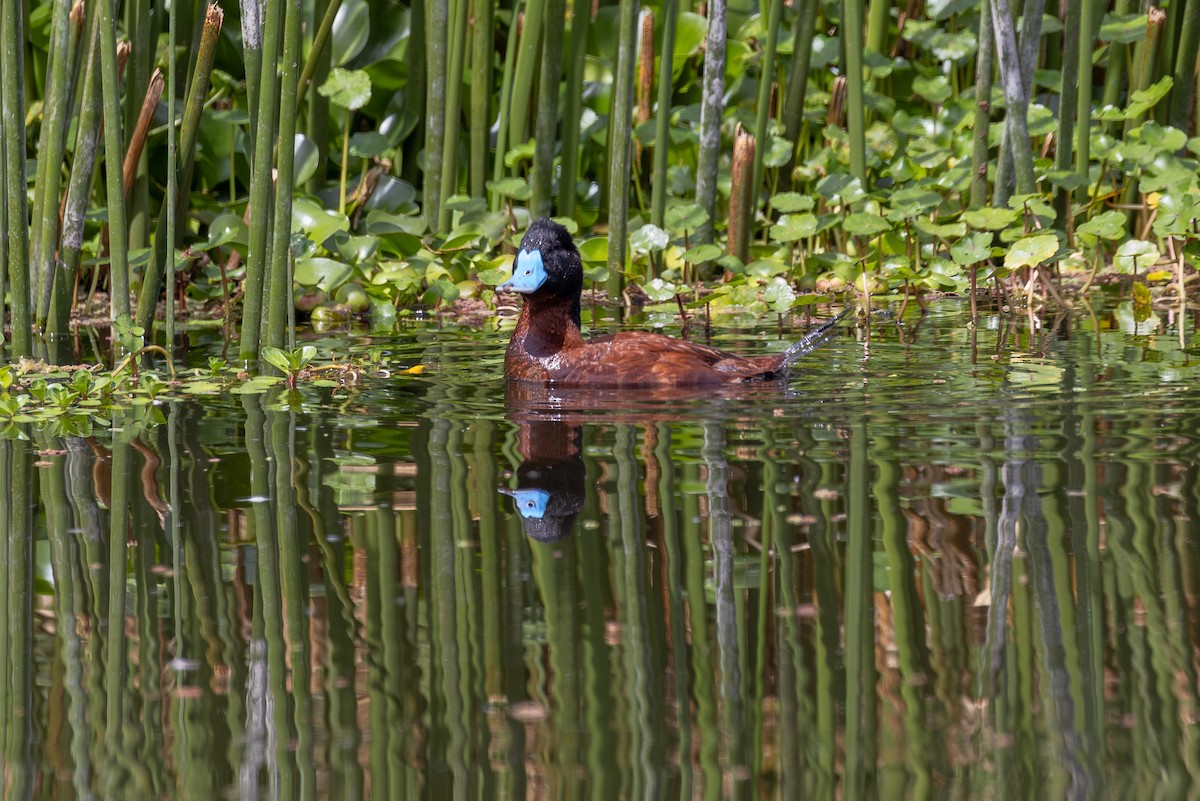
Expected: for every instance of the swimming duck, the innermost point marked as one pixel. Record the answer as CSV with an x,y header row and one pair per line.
x,y
548,345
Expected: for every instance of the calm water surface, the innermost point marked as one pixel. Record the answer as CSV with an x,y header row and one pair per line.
x,y
920,570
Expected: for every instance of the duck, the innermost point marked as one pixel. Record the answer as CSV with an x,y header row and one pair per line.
x,y
548,346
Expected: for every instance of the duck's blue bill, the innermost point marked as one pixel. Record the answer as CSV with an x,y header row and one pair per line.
x,y
528,273
531,503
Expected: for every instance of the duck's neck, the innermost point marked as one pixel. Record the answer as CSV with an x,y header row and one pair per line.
x,y
547,326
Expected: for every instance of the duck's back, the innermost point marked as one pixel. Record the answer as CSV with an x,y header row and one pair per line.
x,y
640,359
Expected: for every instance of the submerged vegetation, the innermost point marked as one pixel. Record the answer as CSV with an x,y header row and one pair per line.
x,y
749,153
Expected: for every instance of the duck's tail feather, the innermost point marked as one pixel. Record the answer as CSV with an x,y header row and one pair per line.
x,y
813,339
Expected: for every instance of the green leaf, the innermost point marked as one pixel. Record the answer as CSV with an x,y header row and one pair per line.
x,y
841,188
347,89
368,144
277,359
936,89
225,229
514,188
792,227
972,249
941,230
862,223
317,223
1122,28
779,296
990,218
594,250
787,202
1031,251
684,218
307,156
321,272
702,253
1143,100
351,27
1136,255
1107,225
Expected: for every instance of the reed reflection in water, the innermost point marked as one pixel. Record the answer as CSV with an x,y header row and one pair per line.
x,y
867,590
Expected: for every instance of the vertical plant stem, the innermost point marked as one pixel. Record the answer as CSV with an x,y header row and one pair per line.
x,y
87,139
51,147
621,139
171,199
113,148
510,57
16,201
481,94
877,24
983,107
546,130
852,49
1068,91
414,98
712,108
797,88
1016,97
523,78
581,18
319,60
316,70
457,56
1183,93
1118,54
1088,20
258,254
139,28
279,298
252,56
1142,71
766,82
662,122
436,25
162,258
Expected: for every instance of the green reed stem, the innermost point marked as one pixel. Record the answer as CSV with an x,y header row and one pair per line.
x,y
524,77
258,254
318,53
316,71
279,298
546,130
1068,99
662,120
115,652
510,57
766,81
1016,97
1183,92
436,26
16,201
573,105
712,107
87,139
252,56
481,94
621,142
162,258
138,30
852,48
984,60
797,87
456,64
878,14
1118,54
1088,21
51,148
118,247
172,197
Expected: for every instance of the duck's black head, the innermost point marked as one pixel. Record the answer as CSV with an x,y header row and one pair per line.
x,y
547,265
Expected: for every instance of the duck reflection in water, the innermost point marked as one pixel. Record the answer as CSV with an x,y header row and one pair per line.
x,y
550,487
